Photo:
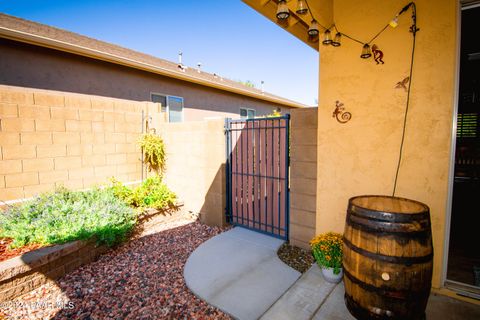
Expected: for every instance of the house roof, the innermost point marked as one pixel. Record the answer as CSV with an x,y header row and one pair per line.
x,y
46,36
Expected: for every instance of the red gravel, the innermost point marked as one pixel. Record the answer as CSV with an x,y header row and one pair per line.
x,y
7,253
142,279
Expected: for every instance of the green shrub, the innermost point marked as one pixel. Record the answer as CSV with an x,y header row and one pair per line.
x,y
152,193
120,191
65,215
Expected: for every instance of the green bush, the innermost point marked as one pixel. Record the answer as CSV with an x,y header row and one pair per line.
x,y
152,193
65,215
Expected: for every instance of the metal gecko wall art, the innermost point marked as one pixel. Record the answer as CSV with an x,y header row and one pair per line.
x,y
403,84
377,54
339,114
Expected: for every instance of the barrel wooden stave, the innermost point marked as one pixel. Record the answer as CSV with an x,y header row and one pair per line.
x,y
380,306
387,258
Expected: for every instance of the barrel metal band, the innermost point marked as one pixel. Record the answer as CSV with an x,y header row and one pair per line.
x,y
385,227
390,259
388,216
390,293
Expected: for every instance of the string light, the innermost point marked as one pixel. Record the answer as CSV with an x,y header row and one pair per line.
x,y
327,38
283,13
282,10
337,40
394,22
366,52
313,30
301,7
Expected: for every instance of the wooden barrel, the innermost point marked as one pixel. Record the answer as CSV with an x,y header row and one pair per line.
x,y
387,258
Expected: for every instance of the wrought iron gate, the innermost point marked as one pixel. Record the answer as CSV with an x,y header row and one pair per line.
x,y
257,174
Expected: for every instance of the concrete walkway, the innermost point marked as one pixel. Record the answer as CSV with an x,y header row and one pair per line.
x,y
239,272
311,297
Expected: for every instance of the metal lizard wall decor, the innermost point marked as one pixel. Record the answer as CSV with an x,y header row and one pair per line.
x,y
339,114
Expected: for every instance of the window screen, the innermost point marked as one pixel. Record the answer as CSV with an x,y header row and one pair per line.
x,y
175,109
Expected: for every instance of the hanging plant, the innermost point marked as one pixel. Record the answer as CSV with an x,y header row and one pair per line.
x,y
153,149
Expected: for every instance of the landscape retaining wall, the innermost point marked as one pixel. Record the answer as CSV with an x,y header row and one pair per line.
x,y
29,271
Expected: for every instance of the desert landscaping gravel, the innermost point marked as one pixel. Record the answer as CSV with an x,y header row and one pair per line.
x,y
295,257
141,279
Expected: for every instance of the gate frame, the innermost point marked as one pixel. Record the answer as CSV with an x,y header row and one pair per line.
x,y
228,172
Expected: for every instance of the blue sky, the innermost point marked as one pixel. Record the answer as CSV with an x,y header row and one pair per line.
x,y
226,36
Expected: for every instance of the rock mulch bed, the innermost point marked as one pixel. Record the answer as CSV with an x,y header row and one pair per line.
x,y
297,258
142,279
7,253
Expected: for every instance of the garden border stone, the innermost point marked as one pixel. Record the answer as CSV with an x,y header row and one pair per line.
x,y
29,271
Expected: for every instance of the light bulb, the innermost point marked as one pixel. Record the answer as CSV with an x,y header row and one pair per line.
x,y
282,10
313,30
366,53
337,41
301,7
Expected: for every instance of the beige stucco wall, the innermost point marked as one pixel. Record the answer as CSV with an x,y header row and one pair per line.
x,y
360,157
196,166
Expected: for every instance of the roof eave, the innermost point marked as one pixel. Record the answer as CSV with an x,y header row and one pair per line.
x,y
99,55
297,25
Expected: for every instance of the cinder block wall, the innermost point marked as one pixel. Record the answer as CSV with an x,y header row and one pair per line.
x,y
196,166
303,175
51,138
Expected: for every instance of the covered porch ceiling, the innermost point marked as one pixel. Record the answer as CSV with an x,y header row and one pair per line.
x,y
297,24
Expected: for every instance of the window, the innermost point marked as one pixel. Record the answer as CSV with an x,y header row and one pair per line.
x,y
175,109
158,98
247,113
170,104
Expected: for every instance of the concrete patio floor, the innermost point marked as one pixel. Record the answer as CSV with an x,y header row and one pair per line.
x,y
238,271
311,297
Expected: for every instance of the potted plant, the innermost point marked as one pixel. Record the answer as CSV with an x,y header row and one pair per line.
x,y
153,149
327,249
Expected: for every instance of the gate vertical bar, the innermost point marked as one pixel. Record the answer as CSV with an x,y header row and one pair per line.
x,y
287,177
254,167
237,188
241,167
279,181
266,174
228,171
272,175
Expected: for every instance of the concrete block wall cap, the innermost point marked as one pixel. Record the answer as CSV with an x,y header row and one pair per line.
x,y
34,259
